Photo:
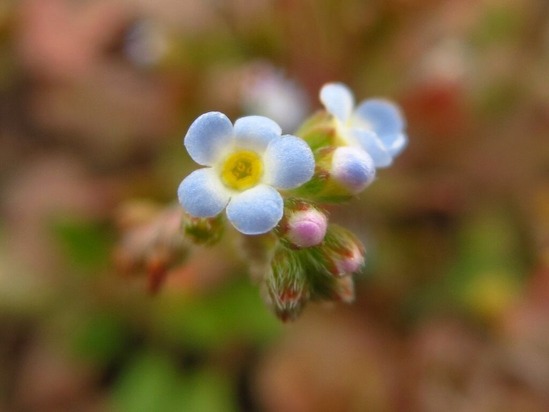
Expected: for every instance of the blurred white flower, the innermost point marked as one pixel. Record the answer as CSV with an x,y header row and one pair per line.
x,y
267,92
146,43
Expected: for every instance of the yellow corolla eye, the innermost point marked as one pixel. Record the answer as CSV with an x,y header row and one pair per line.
x,y
242,170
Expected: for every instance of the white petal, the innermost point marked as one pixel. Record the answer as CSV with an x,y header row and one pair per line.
x,y
208,135
289,162
338,100
371,143
255,132
395,143
384,116
256,211
202,194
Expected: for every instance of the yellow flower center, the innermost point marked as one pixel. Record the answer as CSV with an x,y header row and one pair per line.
x,y
242,170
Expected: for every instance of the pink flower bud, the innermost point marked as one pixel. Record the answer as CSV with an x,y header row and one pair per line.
x,y
342,251
350,261
307,228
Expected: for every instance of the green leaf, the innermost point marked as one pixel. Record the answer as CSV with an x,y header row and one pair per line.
x,y
86,244
206,391
101,336
231,313
150,383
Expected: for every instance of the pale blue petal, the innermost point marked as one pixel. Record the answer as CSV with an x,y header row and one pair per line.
x,y
207,137
338,100
288,162
395,143
353,168
382,115
255,132
202,194
371,143
256,211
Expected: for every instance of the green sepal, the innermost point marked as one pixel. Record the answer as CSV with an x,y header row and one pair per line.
x,y
297,276
204,231
322,188
318,131
286,284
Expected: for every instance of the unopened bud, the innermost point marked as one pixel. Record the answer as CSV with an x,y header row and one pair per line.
x,y
306,228
341,172
349,260
152,242
344,289
204,231
303,224
318,131
352,168
343,252
286,285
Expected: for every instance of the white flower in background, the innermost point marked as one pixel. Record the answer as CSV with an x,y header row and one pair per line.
x,y
245,165
268,93
146,44
375,125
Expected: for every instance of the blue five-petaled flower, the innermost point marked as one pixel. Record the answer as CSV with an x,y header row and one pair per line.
x,y
375,125
245,165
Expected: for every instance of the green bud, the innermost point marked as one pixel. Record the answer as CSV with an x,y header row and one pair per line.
x,y
318,131
316,273
342,252
151,241
204,231
286,285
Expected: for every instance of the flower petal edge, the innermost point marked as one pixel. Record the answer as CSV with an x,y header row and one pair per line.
x,y
201,193
256,211
207,136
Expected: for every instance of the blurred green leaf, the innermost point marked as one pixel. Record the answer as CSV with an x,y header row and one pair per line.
x,y
100,336
490,266
499,23
486,273
232,313
150,383
499,97
206,391
153,383
85,244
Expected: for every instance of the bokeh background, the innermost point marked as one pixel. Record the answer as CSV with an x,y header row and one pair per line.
x,y
452,309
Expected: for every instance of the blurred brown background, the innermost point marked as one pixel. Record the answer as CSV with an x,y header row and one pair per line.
x,y
452,310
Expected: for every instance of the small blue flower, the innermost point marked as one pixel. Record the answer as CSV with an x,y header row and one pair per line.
x,y
375,125
245,165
